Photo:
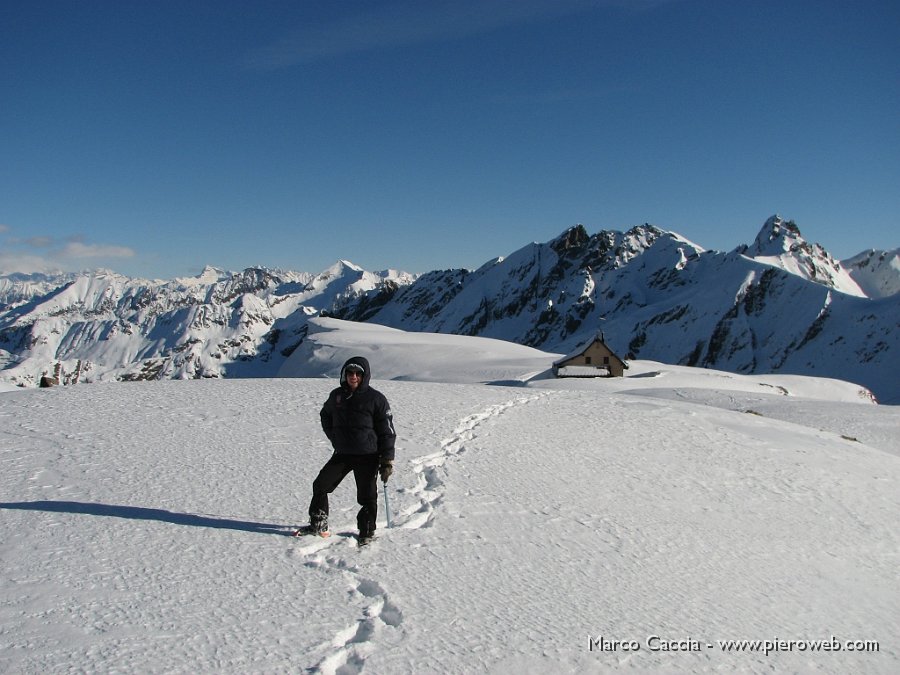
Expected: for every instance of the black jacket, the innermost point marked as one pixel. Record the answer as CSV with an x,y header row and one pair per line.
x,y
359,422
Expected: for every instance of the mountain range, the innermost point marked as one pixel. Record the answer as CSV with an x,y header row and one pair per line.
x,y
777,305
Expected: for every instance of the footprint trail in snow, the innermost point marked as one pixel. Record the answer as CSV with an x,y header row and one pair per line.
x,y
429,489
346,653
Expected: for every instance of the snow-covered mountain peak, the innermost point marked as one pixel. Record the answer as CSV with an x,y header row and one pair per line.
x,y
776,237
347,265
95,326
574,238
876,272
340,272
643,236
780,244
19,288
209,275
770,308
397,276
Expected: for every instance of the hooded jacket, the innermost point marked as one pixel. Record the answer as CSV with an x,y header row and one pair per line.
x,y
359,422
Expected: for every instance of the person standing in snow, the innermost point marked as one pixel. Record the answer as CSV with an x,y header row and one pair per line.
x,y
357,420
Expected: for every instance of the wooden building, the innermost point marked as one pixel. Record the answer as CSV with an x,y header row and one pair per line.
x,y
592,359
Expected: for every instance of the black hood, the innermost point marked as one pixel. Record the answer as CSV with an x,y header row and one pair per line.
x,y
363,363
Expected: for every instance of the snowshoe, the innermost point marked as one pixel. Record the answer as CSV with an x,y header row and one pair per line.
x,y
305,530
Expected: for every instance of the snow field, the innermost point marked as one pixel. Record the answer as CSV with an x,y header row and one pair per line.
x,y
143,529
647,523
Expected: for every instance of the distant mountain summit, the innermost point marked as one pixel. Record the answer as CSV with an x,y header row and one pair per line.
x,y
779,243
103,326
778,305
777,237
18,288
876,272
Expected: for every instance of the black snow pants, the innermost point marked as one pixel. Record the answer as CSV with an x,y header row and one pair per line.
x,y
365,471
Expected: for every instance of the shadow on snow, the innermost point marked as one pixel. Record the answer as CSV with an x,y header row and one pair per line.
x,y
141,513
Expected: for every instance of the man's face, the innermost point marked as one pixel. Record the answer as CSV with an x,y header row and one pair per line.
x,y
353,377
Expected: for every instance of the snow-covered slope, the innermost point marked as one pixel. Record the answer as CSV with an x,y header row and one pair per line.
x,y
435,357
537,528
423,357
781,305
781,245
17,289
103,326
658,296
876,272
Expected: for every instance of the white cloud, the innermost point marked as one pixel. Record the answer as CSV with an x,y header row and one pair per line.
x,y
16,263
79,250
45,254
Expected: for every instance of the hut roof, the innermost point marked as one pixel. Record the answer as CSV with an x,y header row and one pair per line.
x,y
584,347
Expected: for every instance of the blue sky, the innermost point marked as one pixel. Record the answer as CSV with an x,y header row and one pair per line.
x,y
155,138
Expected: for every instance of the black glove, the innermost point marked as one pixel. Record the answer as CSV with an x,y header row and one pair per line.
x,y
385,469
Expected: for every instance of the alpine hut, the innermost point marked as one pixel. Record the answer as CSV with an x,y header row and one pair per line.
x,y
592,359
